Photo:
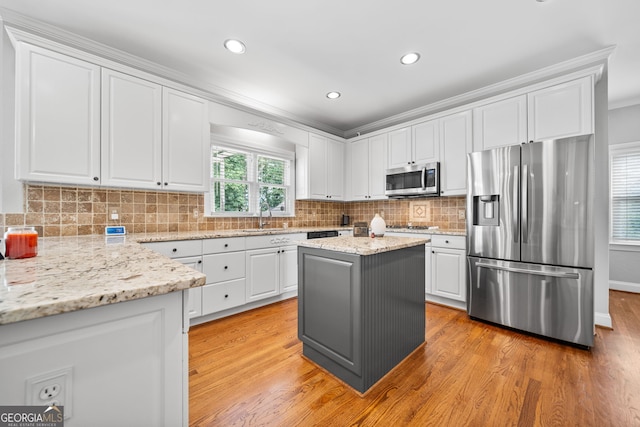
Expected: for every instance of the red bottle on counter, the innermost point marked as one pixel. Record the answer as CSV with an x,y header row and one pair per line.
x,y
21,242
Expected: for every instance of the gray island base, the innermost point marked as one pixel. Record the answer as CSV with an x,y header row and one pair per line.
x,y
361,314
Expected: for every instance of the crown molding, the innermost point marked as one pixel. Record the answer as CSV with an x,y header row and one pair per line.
x,y
22,28
599,58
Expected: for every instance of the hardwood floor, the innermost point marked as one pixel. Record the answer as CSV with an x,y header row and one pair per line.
x,y
248,370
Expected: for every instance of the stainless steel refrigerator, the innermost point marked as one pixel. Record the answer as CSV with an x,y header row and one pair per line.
x,y
530,237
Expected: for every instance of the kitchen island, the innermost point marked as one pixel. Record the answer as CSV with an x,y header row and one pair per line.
x,y
361,304
104,320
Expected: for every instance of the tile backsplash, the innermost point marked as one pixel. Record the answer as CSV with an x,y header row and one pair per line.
x,y
71,211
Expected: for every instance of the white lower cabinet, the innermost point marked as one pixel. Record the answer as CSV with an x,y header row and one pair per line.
x,y
445,268
222,296
195,294
240,270
448,265
223,262
262,273
272,267
188,252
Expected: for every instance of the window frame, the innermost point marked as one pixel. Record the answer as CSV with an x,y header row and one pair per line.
x,y
254,150
614,151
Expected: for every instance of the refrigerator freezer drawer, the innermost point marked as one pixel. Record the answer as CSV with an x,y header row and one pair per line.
x,y
555,302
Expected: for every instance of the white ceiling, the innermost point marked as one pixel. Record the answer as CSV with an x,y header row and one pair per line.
x,y
298,50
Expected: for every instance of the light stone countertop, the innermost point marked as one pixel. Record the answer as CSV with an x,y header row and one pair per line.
x,y
364,245
74,273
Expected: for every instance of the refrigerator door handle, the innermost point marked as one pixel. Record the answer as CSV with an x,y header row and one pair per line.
x,y
525,203
561,274
514,205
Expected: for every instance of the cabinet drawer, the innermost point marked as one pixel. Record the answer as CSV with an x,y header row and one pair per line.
x,y
222,296
177,248
445,241
227,244
223,267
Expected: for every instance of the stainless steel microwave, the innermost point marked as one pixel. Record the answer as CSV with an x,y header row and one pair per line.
x,y
414,181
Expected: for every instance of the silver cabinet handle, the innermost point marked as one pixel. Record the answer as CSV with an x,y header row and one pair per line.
x,y
561,274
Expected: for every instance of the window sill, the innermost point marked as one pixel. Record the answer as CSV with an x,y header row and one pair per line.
x,y
625,247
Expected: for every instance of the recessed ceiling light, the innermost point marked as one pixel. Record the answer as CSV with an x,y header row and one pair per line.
x,y
333,95
410,58
235,46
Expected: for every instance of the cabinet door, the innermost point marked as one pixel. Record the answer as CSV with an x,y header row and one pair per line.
x,y
500,124
377,166
185,142
562,110
448,273
288,269
262,274
400,148
426,142
360,170
194,294
131,131
335,170
58,117
455,143
317,167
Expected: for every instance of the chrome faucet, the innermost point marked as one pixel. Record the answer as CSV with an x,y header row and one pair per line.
x,y
260,223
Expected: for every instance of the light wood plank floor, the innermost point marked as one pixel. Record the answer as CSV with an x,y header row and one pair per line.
x,y
248,370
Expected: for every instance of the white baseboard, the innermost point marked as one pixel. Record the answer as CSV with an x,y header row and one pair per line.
x,y
603,319
624,286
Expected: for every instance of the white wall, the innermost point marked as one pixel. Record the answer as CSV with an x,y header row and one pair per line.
x,y
624,273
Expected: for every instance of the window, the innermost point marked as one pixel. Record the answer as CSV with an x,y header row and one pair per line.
x,y
625,193
244,181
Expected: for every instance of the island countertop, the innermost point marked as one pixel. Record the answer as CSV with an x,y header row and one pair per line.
x,y
74,273
364,245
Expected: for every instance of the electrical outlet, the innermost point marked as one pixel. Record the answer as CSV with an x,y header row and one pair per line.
x,y
115,214
461,214
51,388
196,214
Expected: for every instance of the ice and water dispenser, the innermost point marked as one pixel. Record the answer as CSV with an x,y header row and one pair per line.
x,y
486,210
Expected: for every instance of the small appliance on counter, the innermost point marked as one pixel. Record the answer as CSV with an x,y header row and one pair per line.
x,y
360,229
21,242
345,220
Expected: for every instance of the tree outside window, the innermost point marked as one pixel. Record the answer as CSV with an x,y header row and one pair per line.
x,y
243,181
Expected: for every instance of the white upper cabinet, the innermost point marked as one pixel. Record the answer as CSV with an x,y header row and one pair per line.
x,y
320,169
426,142
58,117
368,166
78,123
185,142
131,131
500,123
562,110
554,112
414,145
400,151
455,143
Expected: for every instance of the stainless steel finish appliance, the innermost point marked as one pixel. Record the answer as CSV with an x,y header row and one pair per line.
x,y
530,237
414,181
321,234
